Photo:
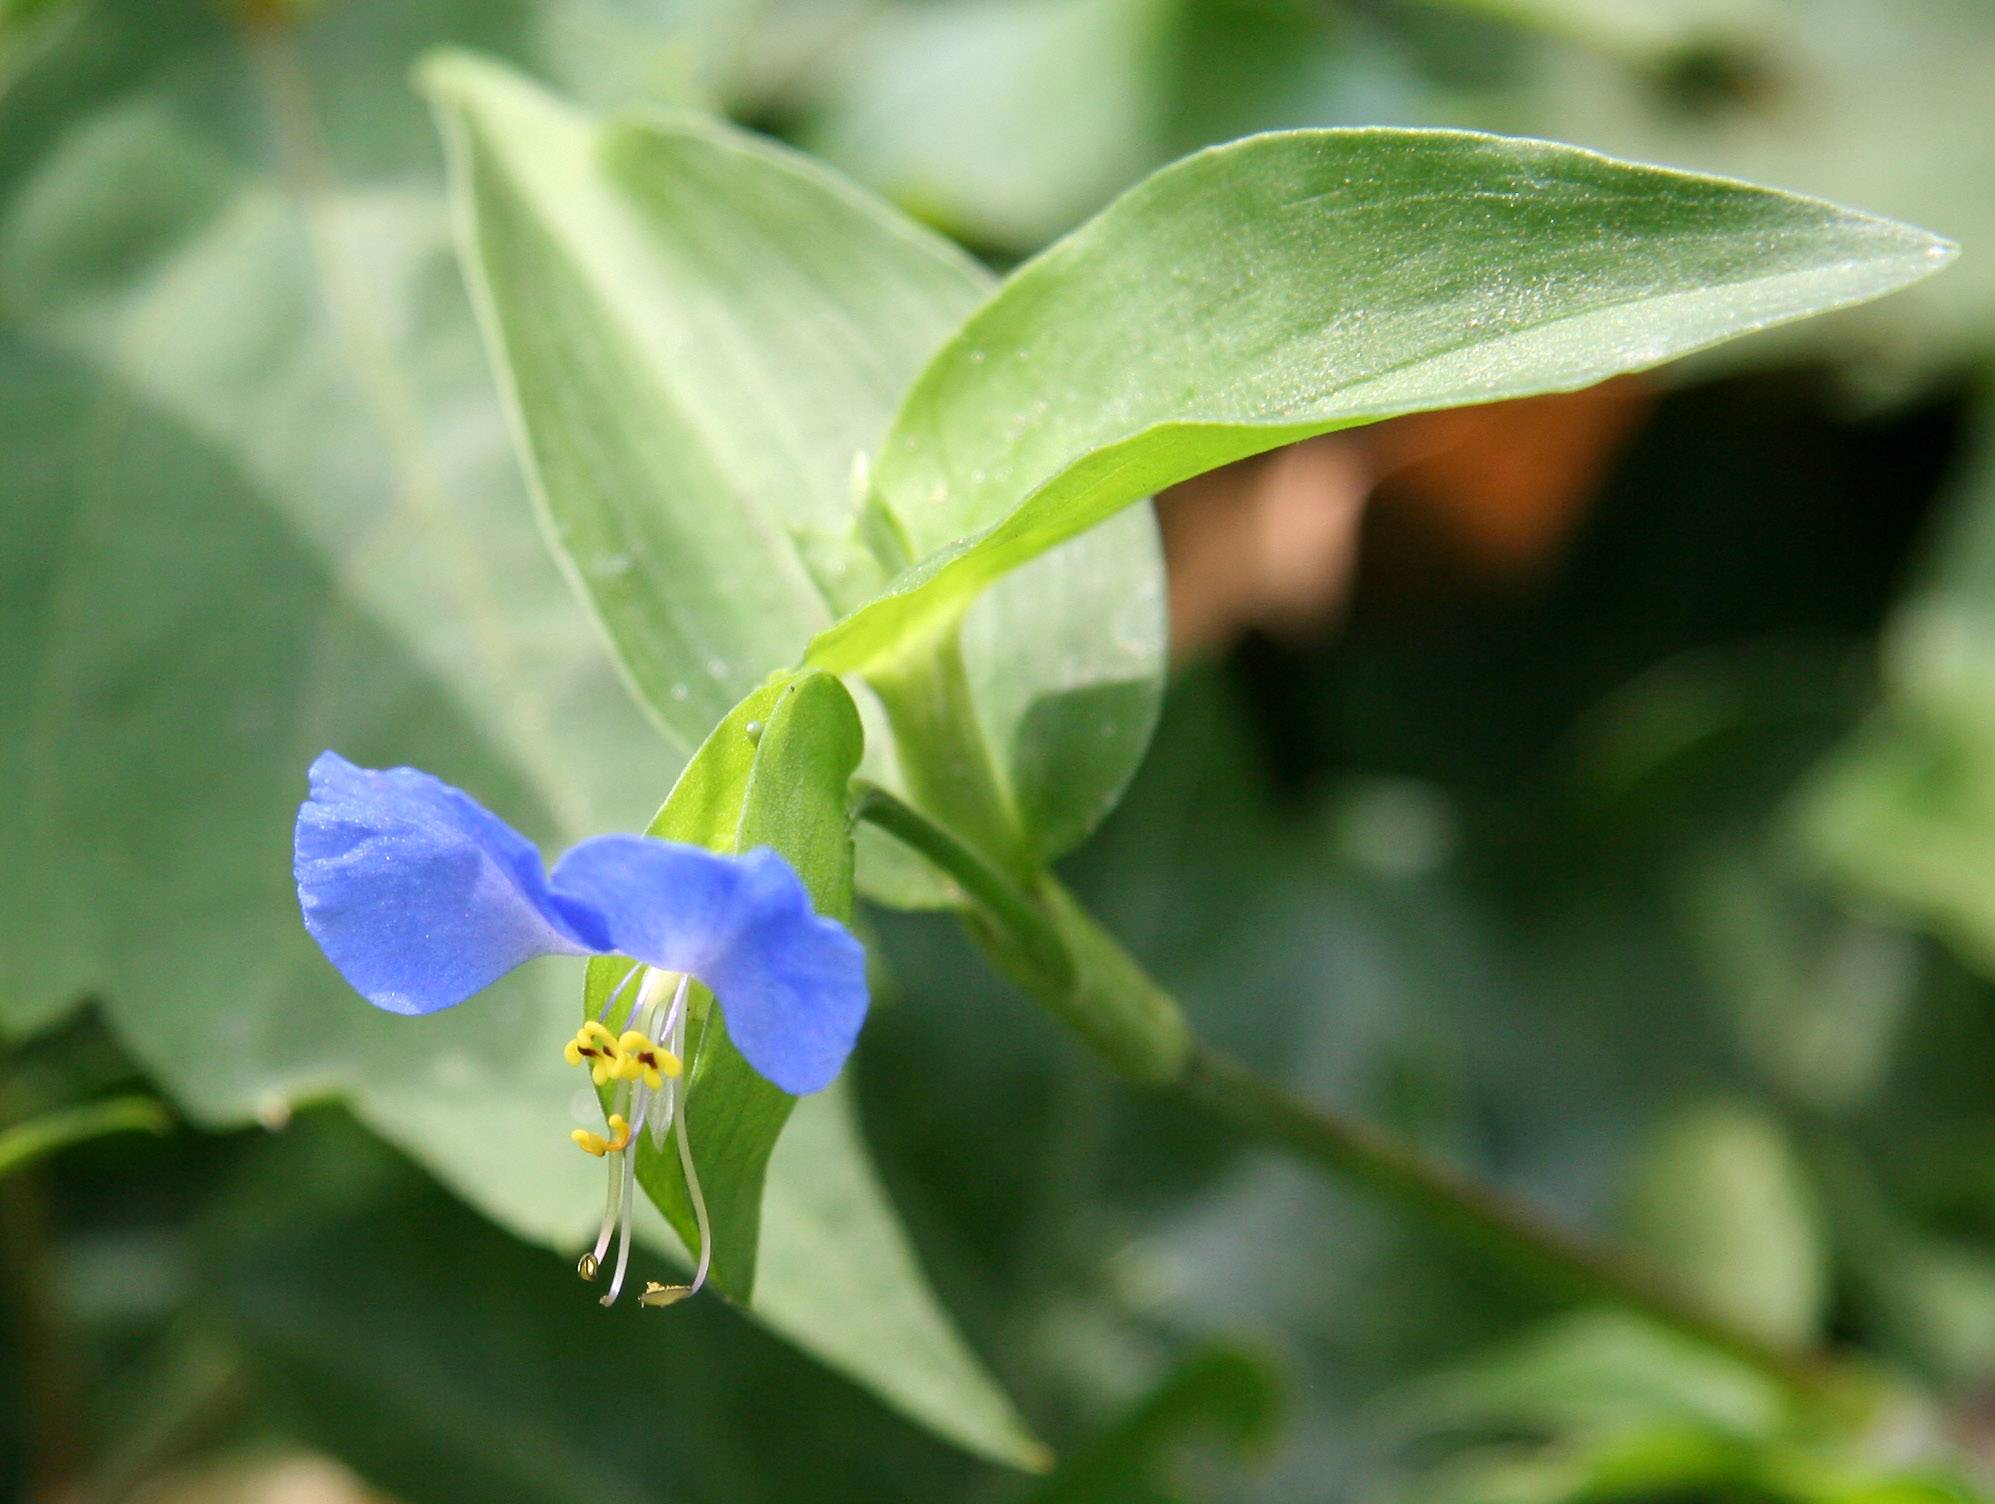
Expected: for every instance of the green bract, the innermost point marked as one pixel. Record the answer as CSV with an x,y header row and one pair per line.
x,y
774,773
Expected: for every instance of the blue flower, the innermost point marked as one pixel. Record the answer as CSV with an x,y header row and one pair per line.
x,y
421,897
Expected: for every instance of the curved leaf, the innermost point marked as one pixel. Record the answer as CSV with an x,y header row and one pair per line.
x,y
1295,283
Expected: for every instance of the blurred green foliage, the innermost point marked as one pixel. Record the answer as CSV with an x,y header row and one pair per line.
x,y
1653,888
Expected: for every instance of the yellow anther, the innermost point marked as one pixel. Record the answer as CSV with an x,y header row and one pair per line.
x,y
641,1060
596,1046
656,1294
596,1144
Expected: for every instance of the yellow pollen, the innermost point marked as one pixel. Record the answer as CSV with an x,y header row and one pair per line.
x,y
641,1060
596,1144
598,1046
656,1294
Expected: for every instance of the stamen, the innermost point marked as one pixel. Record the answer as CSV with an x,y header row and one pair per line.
x,y
592,1261
675,1090
639,1059
693,1192
623,983
660,1121
647,1063
655,1294
655,983
643,1097
598,1046
629,1194
617,1208
669,1028
596,1144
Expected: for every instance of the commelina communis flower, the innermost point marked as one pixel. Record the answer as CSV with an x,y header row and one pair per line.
x,y
421,898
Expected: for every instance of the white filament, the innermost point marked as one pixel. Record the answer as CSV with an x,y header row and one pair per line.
x,y
666,1028
615,1202
617,991
628,1180
670,1036
686,1168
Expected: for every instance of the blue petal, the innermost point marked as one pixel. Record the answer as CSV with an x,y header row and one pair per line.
x,y
417,893
791,983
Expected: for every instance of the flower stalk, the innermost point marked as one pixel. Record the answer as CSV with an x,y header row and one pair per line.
x,y
1048,944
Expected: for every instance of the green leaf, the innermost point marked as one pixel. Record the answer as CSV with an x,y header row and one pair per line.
x,y
704,337
1743,100
1292,284
1595,1373
828,1228
269,508
445,1377
1007,122
1226,1397
1002,118
24,1143
27,29
1905,814
1602,1406
697,471
1722,1201
1651,32
1929,1294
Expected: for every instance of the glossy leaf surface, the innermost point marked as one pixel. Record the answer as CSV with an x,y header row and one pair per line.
x,y
1295,283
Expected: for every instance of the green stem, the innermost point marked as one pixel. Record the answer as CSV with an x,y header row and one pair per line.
x,y
929,704
27,1142
1007,908
1046,942
199,1391
1052,948
1397,1169
1649,39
